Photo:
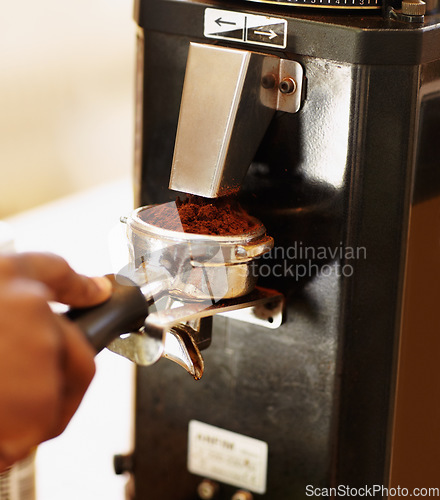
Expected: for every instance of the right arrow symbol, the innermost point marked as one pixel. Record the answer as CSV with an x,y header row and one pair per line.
x,y
270,34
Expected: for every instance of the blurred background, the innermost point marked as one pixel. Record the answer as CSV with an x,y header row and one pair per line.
x,y
66,98
66,148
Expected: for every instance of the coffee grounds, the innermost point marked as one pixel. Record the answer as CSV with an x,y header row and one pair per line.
x,y
217,217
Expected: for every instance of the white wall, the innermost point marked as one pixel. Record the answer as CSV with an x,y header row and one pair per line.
x,y
66,97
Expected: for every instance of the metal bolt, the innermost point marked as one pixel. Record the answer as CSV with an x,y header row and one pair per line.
x,y
207,489
242,495
287,86
268,81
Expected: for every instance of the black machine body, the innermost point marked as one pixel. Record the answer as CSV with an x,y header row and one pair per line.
x,y
349,188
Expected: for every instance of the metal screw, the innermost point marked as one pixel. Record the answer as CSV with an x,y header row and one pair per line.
x,y
207,489
242,495
268,81
287,86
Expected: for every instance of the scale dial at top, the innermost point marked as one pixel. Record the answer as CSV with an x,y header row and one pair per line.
x,y
329,4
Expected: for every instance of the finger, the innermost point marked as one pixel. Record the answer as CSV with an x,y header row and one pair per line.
x,y
78,368
66,285
6,459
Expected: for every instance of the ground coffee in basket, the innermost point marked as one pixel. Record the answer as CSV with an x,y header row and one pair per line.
x,y
217,217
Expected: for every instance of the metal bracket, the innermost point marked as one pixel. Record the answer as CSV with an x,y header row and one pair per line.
x,y
282,84
267,314
160,321
167,333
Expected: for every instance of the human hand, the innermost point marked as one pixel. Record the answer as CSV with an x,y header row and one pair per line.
x,y
46,364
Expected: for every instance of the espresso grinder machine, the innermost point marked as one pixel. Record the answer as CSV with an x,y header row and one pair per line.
x,y
322,118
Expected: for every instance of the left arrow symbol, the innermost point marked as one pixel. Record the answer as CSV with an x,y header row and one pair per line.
x,y
220,21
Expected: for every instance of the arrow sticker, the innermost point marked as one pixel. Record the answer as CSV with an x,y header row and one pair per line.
x,y
224,24
220,21
246,28
268,34
271,34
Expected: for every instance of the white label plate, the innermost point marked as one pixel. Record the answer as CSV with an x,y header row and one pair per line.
x,y
228,457
246,28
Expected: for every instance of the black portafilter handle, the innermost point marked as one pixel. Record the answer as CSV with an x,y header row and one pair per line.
x,y
125,311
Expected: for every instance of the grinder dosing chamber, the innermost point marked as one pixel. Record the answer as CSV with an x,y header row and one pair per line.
x,y
353,173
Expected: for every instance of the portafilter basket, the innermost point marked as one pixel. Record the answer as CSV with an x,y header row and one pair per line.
x,y
193,273
195,266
